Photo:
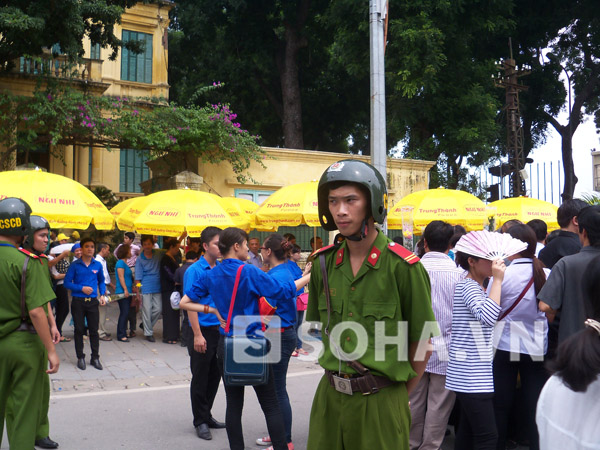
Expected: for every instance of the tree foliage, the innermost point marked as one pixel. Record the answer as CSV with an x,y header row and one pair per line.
x,y
59,114
280,62
28,26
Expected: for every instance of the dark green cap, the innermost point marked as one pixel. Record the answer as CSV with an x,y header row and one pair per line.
x,y
352,171
14,217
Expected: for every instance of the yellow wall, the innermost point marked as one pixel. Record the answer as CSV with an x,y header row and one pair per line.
x,y
285,167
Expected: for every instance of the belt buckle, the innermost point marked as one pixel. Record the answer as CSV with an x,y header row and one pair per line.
x,y
87,299
342,385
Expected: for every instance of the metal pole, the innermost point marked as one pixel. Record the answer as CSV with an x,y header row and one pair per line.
x,y
544,180
377,141
551,185
537,179
377,14
559,188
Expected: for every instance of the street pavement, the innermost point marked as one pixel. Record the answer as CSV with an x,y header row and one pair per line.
x,y
140,401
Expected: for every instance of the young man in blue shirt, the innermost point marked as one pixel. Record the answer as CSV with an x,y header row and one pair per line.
x,y
147,272
85,280
203,348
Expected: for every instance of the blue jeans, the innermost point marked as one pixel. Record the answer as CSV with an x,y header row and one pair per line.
x,y
288,344
299,319
124,305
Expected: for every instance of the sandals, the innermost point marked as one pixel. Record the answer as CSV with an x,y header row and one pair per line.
x,y
124,340
295,353
65,339
301,351
169,342
131,333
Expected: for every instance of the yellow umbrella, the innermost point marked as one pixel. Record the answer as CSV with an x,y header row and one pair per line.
x,y
240,210
525,209
63,202
454,207
290,206
170,213
118,209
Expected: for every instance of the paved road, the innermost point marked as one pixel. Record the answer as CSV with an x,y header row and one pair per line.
x,y
140,401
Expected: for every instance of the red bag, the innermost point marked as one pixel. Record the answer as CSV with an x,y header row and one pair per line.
x,y
302,302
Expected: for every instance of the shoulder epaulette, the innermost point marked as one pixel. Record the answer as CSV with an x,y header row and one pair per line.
x,y
314,255
28,253
323,249
403,253
43,255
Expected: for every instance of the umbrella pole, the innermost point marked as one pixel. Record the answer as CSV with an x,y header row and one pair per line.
x,y
315,235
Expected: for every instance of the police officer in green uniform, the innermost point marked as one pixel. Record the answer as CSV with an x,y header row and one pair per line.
x,y
25,342
36,243
376,332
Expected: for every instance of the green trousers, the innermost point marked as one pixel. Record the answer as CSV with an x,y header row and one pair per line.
x,y
22,377
357,422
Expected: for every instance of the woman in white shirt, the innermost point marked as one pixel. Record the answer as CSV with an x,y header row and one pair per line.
x,y
520,338
568,411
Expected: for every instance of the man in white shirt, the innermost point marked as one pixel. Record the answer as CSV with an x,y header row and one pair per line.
x,y
254,257
103,252
430,402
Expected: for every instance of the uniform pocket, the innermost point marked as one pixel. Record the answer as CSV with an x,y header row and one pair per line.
x,y
379,311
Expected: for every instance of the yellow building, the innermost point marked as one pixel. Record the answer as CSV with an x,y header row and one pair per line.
x,y
145,75
129,75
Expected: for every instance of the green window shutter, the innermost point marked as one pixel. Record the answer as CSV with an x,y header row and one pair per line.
x,y
124,56
132,170
137,67
123,171
148,60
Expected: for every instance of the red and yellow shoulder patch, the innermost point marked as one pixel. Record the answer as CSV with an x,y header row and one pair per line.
x,y
322,249
403,253
28,253
31,254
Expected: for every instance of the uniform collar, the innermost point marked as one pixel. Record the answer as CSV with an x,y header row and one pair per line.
x,y
342,259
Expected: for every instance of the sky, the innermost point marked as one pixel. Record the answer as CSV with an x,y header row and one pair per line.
x,y
584,139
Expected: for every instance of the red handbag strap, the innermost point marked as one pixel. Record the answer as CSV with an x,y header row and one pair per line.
x,y
507,312
235,288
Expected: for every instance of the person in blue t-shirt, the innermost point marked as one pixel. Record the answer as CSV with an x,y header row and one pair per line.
x,y
124,286
85,280
275,252
253,284
296,271
203,347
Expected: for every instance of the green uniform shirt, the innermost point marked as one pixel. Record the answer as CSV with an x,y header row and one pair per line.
x,y
386,289
38,290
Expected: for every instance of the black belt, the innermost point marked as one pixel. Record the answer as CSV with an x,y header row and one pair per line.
x,y
366,384
85,299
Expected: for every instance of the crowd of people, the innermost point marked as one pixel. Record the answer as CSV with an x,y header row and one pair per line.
x,y
506,350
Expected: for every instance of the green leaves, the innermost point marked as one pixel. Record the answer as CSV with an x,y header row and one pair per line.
x,y
63,115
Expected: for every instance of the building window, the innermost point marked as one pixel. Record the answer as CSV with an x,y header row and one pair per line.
x,y
95,51
253,195
137,67
132,170
597,177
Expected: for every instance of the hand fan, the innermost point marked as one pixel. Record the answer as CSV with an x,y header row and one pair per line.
x,y
487,245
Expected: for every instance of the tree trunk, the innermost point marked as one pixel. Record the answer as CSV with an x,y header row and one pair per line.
x,y
568,166
287,62
290,93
